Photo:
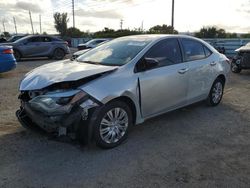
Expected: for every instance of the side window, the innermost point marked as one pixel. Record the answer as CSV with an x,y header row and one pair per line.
x,y
207,51
167,52
34,39
193,50
46,39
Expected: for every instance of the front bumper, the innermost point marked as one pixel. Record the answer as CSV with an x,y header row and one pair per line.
x,y
65,124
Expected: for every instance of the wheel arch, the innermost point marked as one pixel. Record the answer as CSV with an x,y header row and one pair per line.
x,y
17,50
222,77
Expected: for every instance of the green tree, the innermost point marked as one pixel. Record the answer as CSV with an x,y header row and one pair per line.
x,y
6,34
221,33
246,35
162,29
74,32
207,32
111,33
213,32
61,20
232,35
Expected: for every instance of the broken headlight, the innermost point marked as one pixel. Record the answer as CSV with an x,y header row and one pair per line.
x,y
58,103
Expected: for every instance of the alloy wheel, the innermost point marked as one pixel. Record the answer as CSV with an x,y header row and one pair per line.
x,y
114,125
217,92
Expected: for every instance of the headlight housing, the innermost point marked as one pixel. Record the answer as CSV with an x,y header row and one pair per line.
x,y
59,102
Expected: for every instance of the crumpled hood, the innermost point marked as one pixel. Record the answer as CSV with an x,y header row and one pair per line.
x,y
243,48
61,71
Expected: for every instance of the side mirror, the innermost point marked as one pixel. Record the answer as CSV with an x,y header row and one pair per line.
x,y
151,62
146,64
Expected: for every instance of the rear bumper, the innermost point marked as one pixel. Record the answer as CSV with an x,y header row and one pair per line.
x,y
7,65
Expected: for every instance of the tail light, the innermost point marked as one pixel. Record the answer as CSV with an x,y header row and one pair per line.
x,y
8,51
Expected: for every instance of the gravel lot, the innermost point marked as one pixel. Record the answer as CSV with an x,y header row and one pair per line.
x,y
196,146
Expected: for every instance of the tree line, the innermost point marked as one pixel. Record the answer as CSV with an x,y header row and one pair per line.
x,y
61,21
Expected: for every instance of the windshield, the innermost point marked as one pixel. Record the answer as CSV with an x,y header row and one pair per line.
x,y
116,52
14,38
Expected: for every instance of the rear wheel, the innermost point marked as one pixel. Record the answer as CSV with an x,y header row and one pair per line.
x,y
235,68
58,54
216,92
17,55
112,124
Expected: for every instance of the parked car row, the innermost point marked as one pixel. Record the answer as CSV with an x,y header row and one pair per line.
x,y
121,83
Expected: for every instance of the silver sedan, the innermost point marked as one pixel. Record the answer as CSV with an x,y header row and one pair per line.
x,y
121,83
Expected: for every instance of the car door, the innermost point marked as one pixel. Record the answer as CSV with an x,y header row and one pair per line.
x,y
201,69
163,87
45,46
32,46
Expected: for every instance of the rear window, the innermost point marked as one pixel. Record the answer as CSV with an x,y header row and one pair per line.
x,y
193,50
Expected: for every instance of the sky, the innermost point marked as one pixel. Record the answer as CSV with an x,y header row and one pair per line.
x,y
94,15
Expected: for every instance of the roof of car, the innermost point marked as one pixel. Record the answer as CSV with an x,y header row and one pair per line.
x,y
158,36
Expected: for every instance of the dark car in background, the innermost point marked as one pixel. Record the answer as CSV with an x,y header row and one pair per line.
x,y
92,43
7,59
39,46
242,59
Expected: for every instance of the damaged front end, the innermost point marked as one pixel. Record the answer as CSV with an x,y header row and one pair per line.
x,y
60,112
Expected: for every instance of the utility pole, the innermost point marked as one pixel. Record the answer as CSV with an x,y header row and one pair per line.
x,y
142,25
73,11
172,23
15,24
31,23
121,23
3,26
40,23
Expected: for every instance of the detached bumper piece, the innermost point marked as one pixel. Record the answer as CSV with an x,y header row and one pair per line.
x,y
59,125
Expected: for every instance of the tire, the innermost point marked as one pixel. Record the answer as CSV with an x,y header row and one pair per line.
x,y
234,67
17,55
58,54
112,124
216,92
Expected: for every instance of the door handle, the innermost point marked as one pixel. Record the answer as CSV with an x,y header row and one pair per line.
x,y
183,71
213,63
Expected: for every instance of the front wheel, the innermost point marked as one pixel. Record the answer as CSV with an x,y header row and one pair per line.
x,y
216,93
112,124
235,68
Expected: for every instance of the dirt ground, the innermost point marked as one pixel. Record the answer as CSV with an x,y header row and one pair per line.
x,y
196,146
